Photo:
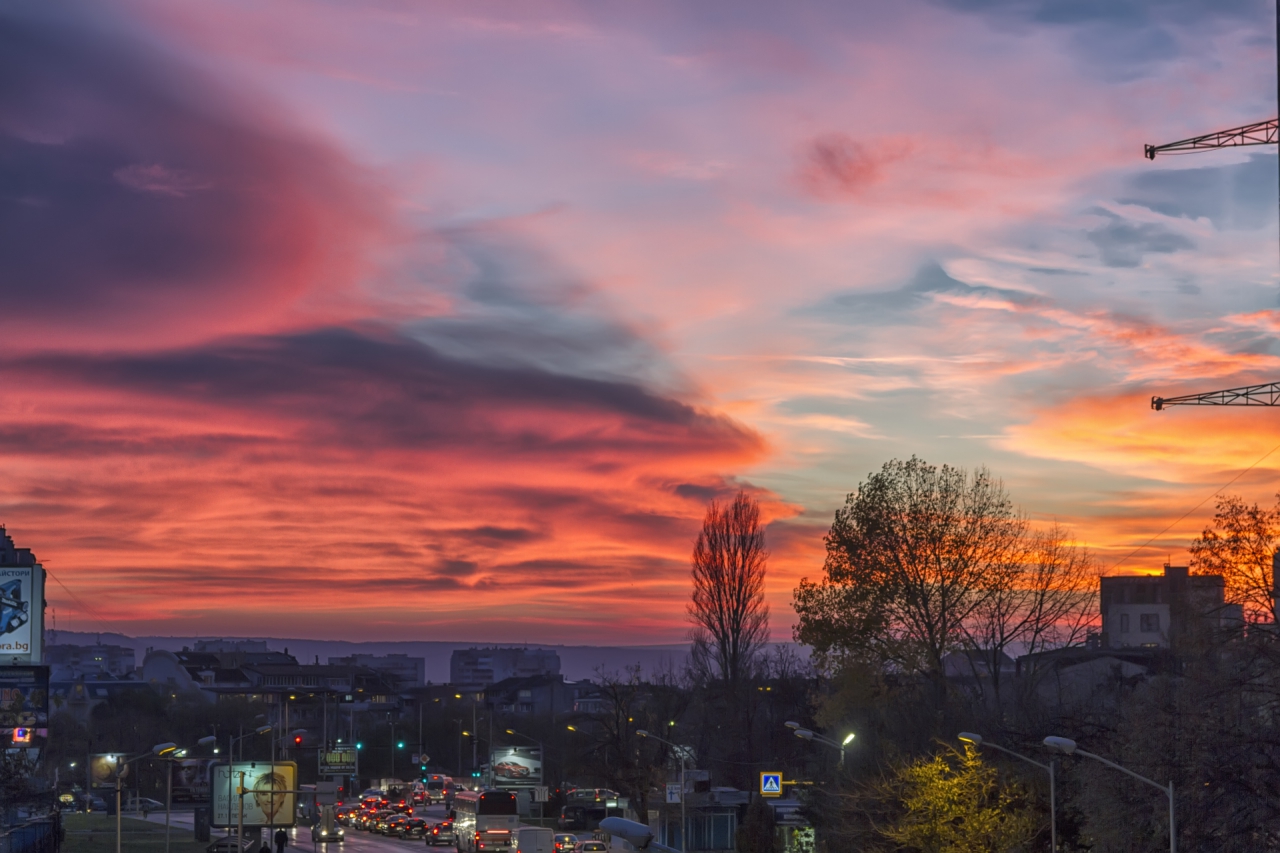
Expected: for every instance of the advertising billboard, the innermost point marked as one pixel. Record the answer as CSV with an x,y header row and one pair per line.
x,y
265,803
516,766
191,780
339,760
21,613
24,698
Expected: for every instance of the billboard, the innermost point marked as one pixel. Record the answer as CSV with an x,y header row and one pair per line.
x,y
191,780
264,804
339,760
24,697
516,766
21,613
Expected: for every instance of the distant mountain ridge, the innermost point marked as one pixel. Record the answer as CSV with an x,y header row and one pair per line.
x,y
576,662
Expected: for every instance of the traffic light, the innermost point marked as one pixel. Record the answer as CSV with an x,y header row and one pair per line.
x,y
359,745
297,740
400,744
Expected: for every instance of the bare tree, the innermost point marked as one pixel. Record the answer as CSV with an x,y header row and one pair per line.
x,y
730,618
1043,598
1240,547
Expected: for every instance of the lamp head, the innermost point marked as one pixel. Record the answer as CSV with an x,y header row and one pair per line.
x,y
804,734
970,737
641,733
164,748
262,730
207,740
848,739
510,731
572,728
792,724
1061,744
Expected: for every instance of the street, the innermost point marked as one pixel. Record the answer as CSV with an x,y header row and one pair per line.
x,y
356,841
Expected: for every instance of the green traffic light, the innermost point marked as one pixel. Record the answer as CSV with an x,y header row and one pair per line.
x,y
400,745
359,745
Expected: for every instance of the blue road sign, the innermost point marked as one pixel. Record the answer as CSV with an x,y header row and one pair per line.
x,y
771,784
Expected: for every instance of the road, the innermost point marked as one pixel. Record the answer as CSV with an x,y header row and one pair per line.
x,y
357,841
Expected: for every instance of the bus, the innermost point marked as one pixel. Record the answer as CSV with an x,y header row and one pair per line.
x,y
485,820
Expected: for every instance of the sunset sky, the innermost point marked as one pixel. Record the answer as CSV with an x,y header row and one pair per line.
x,y
417,320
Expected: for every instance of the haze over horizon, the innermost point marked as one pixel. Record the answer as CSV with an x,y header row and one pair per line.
x,y
445,322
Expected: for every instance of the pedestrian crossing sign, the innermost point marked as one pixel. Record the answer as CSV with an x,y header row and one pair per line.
x,y
770,784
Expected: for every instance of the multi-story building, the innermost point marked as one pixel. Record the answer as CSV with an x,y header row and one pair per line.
x,y
1160,611
402,671
68,662
479,667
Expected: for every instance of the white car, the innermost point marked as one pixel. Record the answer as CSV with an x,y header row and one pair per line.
x,y
143,804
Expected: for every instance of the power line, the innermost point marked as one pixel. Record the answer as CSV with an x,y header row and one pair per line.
x,y
86,608
1196,507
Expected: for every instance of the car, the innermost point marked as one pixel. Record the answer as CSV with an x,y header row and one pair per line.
x,y
442,833
591,847
393,824
142,804
93,803
510,770
414,827
565,842
318,834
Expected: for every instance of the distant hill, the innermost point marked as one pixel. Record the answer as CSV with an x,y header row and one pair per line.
x,y
576,662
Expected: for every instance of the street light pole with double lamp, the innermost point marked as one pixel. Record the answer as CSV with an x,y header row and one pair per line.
x,y
813,737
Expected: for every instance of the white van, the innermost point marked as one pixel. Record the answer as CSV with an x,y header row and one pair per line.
x,y
534,839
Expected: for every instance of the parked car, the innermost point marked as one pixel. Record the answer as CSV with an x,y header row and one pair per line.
x,y
93,803
565,843
591,847
442,833
415,827
142,804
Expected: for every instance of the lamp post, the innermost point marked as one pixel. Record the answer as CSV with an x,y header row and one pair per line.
x,y
121,764
813,737
231,745
684,823
977,741
542,756
1068,746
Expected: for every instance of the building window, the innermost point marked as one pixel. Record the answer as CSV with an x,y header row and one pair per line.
x,y
1150,623
1124,623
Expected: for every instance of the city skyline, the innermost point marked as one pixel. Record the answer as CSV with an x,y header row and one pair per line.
x,y
414,320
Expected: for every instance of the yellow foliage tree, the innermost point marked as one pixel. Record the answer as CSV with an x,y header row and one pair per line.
x,y
954,803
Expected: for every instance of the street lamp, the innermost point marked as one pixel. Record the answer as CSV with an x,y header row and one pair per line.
x,y
231,746
684,824
812,737
121,763
1068,746
977,741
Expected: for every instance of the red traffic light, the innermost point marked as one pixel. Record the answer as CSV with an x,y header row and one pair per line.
x,y
297,740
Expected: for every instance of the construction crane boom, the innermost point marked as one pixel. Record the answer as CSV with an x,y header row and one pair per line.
x,y
1259,133
1249,395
